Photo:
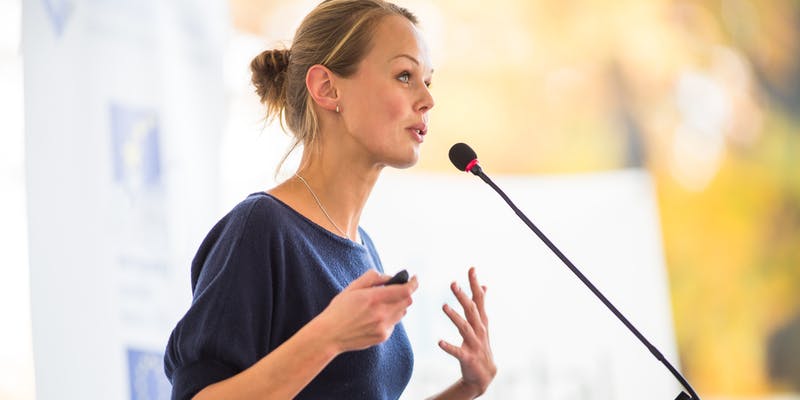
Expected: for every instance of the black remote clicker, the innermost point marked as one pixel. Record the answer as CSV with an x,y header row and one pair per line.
x,y
398,278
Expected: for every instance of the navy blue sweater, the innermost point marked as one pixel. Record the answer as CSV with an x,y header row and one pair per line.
x,y
261,274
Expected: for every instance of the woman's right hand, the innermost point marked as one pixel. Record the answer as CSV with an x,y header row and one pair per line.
x,y
365,312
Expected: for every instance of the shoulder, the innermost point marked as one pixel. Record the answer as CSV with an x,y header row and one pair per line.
x,y
242,235
253,211
260,217
258,204
366,239
373,252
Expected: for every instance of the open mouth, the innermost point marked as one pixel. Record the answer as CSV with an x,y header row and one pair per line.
x,y
420,129
419,134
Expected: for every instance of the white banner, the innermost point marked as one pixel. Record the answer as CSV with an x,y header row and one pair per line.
x,y
124,107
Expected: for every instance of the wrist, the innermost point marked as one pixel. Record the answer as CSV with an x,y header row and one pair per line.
x,y
469,389
323,336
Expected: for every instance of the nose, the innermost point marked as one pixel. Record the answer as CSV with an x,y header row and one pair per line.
x,y
425,102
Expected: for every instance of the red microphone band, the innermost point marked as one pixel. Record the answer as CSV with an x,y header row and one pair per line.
x,y
471,165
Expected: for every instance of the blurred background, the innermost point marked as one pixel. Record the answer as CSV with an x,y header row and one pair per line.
x,y
704,95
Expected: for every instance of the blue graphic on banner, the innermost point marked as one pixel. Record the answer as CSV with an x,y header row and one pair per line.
x,y
136,154
146,375
59,12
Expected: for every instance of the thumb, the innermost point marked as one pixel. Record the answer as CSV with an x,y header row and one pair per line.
x,y
367,279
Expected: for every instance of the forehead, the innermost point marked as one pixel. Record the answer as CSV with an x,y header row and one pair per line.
x,y
395,36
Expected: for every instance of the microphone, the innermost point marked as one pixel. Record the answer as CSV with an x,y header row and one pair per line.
x,y
465,159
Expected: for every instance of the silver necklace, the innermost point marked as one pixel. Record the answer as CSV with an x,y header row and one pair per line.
x,y
321,207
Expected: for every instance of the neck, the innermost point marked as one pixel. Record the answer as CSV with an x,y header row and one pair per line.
x,y
342,186
339,171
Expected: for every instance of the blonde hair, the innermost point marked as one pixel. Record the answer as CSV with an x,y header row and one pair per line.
x,y
336,34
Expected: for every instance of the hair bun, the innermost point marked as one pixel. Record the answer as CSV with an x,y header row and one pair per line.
x,y
269,78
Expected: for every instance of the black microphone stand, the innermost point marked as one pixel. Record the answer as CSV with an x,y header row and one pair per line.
x,y
477,170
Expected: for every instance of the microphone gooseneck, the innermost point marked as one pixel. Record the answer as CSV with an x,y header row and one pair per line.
x,y
465,159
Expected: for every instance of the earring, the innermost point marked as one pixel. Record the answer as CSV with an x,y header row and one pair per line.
x,y
337,108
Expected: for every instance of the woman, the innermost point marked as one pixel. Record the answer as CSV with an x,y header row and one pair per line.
x,y
289,295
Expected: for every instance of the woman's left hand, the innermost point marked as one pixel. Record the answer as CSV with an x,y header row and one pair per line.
x,y
474,354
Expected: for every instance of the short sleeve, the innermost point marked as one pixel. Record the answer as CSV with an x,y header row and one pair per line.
x,y
227,327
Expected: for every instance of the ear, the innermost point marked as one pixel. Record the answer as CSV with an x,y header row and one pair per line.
x,y
320,83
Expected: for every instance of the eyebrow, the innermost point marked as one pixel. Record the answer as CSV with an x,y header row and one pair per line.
x,y
414,60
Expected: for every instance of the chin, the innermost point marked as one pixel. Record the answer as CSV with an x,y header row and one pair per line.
x,y
406,162
405,166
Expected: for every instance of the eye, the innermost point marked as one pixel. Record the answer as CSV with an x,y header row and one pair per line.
x,y
404,77
428,84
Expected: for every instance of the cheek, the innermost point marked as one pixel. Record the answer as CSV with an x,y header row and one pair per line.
x,y
382,113
392,108
399,107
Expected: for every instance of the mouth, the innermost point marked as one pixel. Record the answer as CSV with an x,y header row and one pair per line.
x,y
419,131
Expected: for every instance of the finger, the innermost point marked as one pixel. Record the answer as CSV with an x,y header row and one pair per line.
x,y
367,279
475,287
397,293
484,315
464,329
477,294
470,309
451,349
413,283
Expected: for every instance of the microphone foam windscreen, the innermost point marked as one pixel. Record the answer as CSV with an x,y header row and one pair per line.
x,y
461,155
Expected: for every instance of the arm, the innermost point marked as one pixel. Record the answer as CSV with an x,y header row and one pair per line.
x,y
359,317
293,364
475,354
457,391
